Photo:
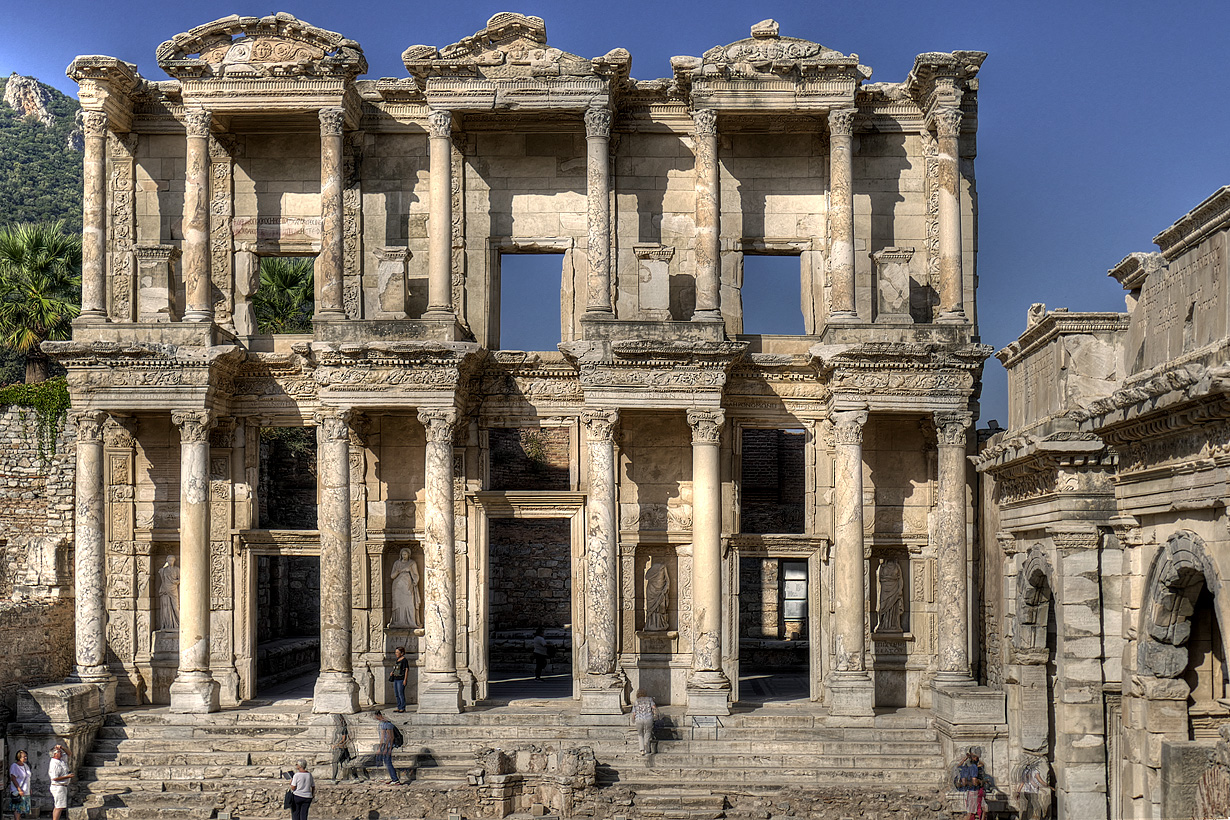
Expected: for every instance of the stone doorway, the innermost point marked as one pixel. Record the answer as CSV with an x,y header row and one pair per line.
x,y
776,624
287,622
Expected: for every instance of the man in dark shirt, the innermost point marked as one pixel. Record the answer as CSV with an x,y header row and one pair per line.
x,y
386,746
400,677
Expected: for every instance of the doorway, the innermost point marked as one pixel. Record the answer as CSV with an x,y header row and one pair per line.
x,y
287,624
775,627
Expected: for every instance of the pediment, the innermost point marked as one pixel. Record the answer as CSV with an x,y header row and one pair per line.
x,y
767,54
276,45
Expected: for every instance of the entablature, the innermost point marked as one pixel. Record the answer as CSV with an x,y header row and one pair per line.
x,y
888,377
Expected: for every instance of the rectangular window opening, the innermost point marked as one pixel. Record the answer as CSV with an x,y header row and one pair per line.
x,y
287,485
285,296
530,288
772,295
772,481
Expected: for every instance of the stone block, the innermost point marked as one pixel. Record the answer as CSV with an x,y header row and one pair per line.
x,y
968,705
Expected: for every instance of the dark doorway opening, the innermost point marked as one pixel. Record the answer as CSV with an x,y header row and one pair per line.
x,y
531,589
287,619
774,629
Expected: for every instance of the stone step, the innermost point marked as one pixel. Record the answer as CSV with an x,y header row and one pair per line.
x,y
754,778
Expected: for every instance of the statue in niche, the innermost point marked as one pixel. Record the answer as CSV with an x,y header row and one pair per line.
x,y
405,589
892,599
657,593
168,595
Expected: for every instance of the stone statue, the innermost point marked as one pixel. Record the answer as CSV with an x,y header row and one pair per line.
x,y
405,578
168,595
657,591
892,600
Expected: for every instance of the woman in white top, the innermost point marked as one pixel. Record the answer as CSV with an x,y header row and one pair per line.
x,y
644,713
19,785
302,788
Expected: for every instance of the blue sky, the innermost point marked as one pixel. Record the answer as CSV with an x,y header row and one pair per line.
x,y
1100,123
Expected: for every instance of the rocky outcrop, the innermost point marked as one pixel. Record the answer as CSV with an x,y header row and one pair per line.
x,y
76,137
29,98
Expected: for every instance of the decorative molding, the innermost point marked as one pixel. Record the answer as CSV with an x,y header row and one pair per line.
x,y
598,122
332,121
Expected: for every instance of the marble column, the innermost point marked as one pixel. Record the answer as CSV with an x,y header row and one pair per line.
x,y
598,213
850,689
90,557
336,690
952,551
194,689
841,214
329,265
951,284
440,222
708,216
94,220
708,687
440,688
602,687
195,259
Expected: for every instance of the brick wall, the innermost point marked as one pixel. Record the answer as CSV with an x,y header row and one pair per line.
x,y
773,481
526,458
38,647
287,489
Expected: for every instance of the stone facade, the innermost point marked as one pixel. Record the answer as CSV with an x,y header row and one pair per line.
x,y
1108,531
629,438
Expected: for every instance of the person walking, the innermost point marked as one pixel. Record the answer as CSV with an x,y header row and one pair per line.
x,y
302,789
19,785
540,653
386,746
644,714
60,776
339,745
971,781
400,677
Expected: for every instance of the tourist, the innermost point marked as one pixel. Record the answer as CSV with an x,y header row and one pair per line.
x,y
400,677
19,785
386,746
1033,784
971,780
340,746
60,776
541,655
644,715
302,788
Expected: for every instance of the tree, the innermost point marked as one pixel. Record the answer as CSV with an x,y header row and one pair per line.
x,y
40,289
286,299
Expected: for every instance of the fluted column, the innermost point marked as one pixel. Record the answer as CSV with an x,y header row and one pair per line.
x,y
440,691
841,214
336,691
952,551
90,556
440,223
195,259
708,216
598,213
850,687
94,220
951,285
602,688
329,265
194,689
708,686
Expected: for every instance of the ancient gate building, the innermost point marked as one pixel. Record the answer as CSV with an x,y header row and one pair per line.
x,y
664,491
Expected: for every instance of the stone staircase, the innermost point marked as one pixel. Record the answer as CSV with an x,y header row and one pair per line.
x,y
153,765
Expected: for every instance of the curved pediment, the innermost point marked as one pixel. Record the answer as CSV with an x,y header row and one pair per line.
x,y
279,44
766,52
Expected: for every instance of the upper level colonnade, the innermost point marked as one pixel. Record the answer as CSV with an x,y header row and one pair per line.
x,y
407,190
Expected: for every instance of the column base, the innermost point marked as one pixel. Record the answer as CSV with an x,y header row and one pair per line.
x,y
194,693
439,694
602,695
839,317
952,317
104,680
336,693
946,680
707,316
198,316
708,694
851,694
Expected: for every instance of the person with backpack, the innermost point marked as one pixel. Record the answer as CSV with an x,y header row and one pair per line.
x,y
390,739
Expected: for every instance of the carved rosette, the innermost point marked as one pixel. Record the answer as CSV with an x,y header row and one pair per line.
x,y
440,124
194,425
598,122
950,428
95,124
947,123
704,123
841,122
440,425
89,424
848,427
600,424
332,122
333,425
706,426
197,122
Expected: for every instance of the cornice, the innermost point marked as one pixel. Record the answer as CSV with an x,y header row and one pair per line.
x,y
1061,323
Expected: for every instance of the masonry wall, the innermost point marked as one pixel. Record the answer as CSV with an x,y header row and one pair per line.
x,y
37,637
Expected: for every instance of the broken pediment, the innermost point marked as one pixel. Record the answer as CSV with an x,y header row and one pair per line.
x,y
277,45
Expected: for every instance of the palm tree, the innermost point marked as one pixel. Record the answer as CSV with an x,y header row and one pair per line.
x,y
286,299
40,289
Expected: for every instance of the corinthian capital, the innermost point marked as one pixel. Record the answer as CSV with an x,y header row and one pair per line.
x,y
600,424
440,425
706,426
95,123
197,122
440,124
704,122
947,122
848,426
841,122
598,122
333,424
950,428
89,424
332,121
194,425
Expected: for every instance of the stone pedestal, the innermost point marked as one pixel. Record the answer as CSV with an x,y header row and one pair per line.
x,y
195,692
440,694
66,713
335,693
851,694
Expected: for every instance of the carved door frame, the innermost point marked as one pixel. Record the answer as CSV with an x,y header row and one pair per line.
x,y
525,505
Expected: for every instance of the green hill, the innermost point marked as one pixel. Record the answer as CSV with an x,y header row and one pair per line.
x,y
40,164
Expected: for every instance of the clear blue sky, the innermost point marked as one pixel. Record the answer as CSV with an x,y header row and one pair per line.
x,y
1100,123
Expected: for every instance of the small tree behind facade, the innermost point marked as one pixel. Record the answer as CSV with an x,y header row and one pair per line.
x,y
40,290
285,300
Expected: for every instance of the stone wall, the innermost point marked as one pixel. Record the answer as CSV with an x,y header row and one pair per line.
x,y
530,458
287,489
773,481
37,637
531,574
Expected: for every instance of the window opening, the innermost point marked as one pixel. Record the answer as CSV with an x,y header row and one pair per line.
x,y
287,488
773,481
772,295
530,288
285,298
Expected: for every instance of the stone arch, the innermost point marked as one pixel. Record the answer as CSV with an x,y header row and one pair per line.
x,y
1179,573
1035,590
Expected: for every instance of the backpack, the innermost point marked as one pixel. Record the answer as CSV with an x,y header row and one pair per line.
x,y
398,740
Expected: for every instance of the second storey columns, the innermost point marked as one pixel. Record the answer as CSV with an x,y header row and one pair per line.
x,y
94,219
708,216
598,210
841,214
440,223
195,259
952,281
329,266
